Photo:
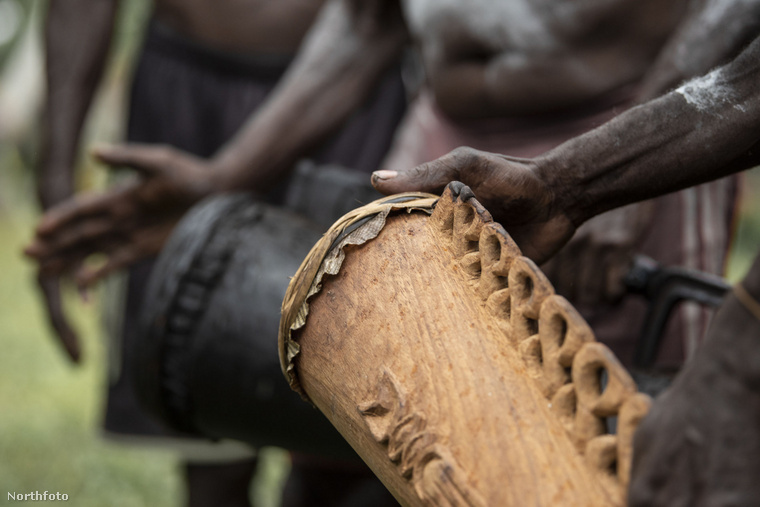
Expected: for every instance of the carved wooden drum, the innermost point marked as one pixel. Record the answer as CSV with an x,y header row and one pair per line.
x,y
446,360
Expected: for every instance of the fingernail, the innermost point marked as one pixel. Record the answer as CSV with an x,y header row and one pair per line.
x,y
384,174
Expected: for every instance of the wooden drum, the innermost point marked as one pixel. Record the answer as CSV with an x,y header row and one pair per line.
x,y
445,359
205,360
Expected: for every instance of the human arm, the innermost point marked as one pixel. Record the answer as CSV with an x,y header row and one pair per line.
x,y
77,37
711,33
352,43
700,443
704,130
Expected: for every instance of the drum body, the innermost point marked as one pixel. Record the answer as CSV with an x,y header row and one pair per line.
x,y
207,360
445,359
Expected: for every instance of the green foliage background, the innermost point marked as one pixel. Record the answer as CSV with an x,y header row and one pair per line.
x,y
51,410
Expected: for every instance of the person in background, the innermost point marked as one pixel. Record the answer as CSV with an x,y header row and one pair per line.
x,y
504,74
204,68
700,443
511,76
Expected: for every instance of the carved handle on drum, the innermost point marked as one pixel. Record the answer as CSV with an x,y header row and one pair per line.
x,y
439,335
585,383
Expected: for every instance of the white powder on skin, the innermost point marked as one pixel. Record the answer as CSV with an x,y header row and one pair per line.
x,y
707,91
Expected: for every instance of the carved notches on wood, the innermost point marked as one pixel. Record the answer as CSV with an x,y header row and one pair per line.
x,y
556,345
529,288
414,448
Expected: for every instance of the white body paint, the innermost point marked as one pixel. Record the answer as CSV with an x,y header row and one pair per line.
x,y
707,92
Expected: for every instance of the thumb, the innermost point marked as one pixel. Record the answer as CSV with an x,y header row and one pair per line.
x,y
146,159
429,177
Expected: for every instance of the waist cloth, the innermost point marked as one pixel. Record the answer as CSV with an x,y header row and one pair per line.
x,y
196,99
691,228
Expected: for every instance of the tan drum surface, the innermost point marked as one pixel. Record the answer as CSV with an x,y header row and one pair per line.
x,y
446,360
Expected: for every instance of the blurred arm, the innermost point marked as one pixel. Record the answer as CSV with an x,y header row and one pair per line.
x,y
77,37
704,130
343,57
352,43
711,34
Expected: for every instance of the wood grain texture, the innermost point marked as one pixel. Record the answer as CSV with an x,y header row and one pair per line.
x,y
446,360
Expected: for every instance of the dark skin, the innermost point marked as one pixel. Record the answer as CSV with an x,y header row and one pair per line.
x,y
662,146
699,43
700,445
711,33
75,60
583,46
591,47
132,222
78,35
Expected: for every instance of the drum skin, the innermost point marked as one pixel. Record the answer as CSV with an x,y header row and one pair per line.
x,y
207,361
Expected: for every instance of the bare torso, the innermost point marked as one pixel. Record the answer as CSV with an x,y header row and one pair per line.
x,y
482,57
494,57
247,26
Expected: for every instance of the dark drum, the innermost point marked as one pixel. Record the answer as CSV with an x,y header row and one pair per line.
x,y
208,362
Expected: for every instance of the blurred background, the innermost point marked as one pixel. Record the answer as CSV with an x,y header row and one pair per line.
x,y
49,409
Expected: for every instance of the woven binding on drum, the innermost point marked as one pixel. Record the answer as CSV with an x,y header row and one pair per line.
x,y
326,257
556,345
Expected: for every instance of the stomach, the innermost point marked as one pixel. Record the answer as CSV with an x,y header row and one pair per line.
x,y
527,57
244,26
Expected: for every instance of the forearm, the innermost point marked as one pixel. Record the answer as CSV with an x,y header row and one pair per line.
x,y
702,131
341,60
711,33
78,34
509,84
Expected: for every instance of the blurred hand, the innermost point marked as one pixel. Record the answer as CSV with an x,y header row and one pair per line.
x,y
700,443
125,224
510,189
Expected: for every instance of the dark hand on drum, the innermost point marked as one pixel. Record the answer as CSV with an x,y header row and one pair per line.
x,y
510,188
699,445
126,223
